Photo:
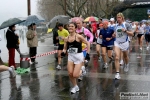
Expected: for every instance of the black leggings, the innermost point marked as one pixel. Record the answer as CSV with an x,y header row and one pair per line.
x,y
32,52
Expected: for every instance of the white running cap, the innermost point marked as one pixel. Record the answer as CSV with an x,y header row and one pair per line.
x,y
112,19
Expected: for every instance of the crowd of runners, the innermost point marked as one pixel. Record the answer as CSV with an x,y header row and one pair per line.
x,y
112,38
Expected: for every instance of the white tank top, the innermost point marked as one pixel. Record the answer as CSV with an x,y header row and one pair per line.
x,y
141,29
99,40
121,36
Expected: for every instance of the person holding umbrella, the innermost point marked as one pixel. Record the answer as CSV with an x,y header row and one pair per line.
x,y
12,44
32,42
6,68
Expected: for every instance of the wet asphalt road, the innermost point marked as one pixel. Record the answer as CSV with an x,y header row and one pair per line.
x,y
47,83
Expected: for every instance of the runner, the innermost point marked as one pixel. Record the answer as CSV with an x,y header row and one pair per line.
x,y
106,34
75,56
147,34
122,30
88,36
11,70
140,34
112,25
62,33
133,27
99,42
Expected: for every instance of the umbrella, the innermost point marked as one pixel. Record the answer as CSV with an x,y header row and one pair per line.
x,y
76,18
49,30
144,20
11,21
60,18
33,19
91,19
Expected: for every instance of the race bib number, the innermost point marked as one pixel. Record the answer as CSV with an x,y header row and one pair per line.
x,y
73,50
119,33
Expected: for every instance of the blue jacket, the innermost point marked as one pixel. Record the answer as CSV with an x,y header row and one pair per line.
x,y
107,33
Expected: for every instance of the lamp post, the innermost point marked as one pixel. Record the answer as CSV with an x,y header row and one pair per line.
x,y
65,7
28,7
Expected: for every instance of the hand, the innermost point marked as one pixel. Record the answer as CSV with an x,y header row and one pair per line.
x,y
16,34
34,34
114,35
87,57
123,30
108,39
62,38
63,54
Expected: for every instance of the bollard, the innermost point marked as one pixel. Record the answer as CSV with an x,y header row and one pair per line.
x,y
24,63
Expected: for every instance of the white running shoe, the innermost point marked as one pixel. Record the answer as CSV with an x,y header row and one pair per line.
x,y
58,67
147,48
83,70
141,49
12,72
99,58
117,76
105,65
74,89
80,78
121,62
126,68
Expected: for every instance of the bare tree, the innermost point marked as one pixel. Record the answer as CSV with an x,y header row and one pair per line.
x,y
49,8
107,6
76,8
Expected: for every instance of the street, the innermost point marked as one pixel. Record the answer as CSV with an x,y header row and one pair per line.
x,y
47,83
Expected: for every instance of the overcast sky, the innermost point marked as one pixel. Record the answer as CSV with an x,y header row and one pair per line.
x,y
15,8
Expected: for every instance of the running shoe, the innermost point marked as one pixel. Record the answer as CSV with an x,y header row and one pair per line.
x,y
105,65
83,70
12,72
58,67
147,48
117,76
126,68
74,89
80,78
121,62
99,58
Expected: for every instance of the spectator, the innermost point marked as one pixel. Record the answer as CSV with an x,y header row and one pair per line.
x,y
55,35
12,42
32,42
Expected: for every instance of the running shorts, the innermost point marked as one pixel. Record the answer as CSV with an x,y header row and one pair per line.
x,y
139,35
124,46
147,37
108,47
60,47
76,58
